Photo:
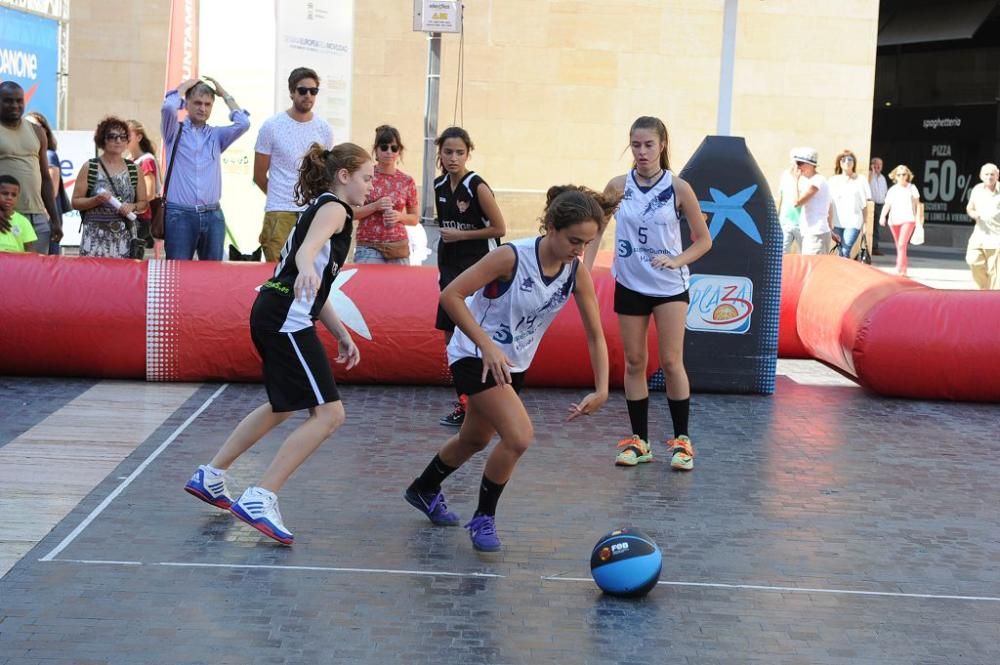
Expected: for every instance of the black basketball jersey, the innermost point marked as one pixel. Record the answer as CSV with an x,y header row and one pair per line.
x,y
276,308
459,209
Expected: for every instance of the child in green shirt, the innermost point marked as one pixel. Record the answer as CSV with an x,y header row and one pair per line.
x,y
16,232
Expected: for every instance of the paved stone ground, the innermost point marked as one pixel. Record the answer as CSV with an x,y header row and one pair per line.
x,y
818,487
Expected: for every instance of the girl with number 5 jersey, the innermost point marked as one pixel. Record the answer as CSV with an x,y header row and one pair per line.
x,y
652,278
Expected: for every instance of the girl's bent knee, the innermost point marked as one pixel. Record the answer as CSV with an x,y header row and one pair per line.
x,y
519,442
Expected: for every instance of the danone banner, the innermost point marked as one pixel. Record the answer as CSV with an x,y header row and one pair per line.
x,y
318,34
29,55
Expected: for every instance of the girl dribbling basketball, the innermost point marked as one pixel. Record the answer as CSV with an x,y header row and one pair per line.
x,y
502,306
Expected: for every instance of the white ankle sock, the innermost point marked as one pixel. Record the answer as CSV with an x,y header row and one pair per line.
x,y
214,471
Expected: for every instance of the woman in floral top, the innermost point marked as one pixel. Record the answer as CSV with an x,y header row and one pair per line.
x,y
391,206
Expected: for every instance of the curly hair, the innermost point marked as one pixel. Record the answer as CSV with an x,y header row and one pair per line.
x,y
566,205
319,168
105,126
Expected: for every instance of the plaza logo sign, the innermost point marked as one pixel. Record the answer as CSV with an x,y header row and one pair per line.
x,y
720,303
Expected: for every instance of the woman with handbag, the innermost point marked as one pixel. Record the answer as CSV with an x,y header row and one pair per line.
x,y
142,151
902,205
107,231
391,206
850,194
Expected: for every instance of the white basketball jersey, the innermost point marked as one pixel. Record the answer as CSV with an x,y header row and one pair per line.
x,y
515,314
647,226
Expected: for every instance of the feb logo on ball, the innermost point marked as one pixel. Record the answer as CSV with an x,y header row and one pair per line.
x,y
626,562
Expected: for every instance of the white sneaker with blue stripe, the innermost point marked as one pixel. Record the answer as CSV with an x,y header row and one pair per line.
x,y
258,507
210,488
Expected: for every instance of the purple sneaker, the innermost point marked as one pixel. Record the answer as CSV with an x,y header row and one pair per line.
x,y
483,531
433,506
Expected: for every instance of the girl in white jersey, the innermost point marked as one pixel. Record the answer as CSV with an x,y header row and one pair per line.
x,y
502,306
297,373
651,277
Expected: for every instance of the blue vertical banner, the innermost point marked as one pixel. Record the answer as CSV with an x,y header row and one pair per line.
x,y
29,55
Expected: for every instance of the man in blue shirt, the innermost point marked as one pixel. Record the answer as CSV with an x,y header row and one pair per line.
x,y
193,220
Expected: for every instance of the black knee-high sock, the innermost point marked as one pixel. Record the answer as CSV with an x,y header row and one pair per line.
x,y
638,415
679,409
489,494
430,480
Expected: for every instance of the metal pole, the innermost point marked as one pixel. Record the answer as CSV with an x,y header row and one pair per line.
x,y
430,135
725,113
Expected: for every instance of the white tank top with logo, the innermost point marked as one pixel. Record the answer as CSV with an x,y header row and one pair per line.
x,y
648,225
515,314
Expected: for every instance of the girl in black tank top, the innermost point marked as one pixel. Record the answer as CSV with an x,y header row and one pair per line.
x,y
471,225
297,372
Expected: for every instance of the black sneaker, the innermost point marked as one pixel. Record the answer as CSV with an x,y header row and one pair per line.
x,y
456,417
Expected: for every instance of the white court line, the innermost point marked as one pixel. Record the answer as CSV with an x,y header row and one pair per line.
x,y
128,481
791,589
94,561
328,569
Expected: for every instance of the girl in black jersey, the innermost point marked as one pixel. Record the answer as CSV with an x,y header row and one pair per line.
x,y
297,373
471,224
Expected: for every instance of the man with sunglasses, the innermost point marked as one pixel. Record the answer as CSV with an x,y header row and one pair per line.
x,y
282,142
193,218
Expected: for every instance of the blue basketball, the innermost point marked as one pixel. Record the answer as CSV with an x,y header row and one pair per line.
x,y
626,562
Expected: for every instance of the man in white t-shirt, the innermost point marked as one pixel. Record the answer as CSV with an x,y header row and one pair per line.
x,y
983,253
282,142
815,222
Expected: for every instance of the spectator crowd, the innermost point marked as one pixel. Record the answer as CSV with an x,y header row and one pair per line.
x,y
117,191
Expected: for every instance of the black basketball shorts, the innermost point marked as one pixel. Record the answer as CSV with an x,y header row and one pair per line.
x,y
297,372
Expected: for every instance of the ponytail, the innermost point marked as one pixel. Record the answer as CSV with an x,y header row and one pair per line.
x,y
318,171
566,205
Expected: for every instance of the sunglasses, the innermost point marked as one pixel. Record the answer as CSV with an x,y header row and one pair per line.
x,y
847,159
116,137
385,147
302,90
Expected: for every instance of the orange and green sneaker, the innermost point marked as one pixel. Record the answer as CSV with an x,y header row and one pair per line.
x,y
681,453
634,451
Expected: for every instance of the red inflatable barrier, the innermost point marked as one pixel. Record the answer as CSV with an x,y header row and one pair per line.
x,y
187,321
793,276
896,336
79,317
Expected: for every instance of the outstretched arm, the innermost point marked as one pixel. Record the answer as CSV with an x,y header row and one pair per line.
x,y
586,302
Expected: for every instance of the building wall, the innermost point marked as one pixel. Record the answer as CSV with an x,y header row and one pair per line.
x,y
550,87
117,61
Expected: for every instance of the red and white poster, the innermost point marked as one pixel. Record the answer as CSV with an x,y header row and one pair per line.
x,y
182,43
